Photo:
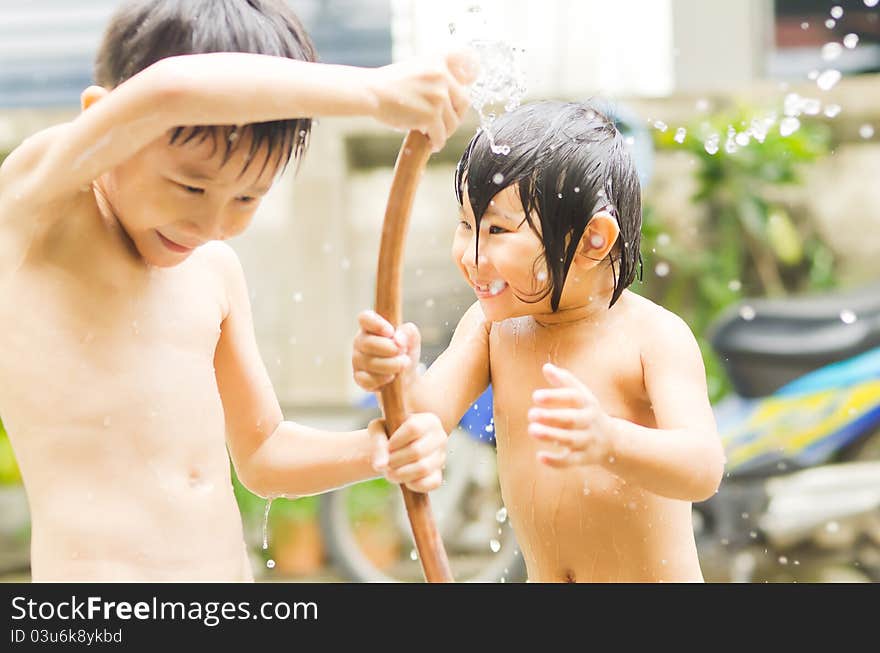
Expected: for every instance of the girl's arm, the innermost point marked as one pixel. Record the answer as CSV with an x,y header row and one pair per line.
x,y
452,383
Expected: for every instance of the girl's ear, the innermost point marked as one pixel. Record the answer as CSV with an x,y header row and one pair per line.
x,y
91,95
598,240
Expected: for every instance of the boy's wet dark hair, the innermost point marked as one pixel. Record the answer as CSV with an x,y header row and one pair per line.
x,y
569,162
142,32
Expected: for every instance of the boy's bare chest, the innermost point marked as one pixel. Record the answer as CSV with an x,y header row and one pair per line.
x,y
81,354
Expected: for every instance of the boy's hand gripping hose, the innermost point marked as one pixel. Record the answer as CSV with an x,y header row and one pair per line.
x,y
408,170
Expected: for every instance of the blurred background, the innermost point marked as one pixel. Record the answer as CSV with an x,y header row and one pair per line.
x,y
753,125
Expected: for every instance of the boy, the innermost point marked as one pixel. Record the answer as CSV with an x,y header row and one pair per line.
x,y
126,344
598,471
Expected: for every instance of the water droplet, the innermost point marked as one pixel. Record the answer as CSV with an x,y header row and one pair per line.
x,y
753,534
789,126
495,545
837,12
542,275
832,527
735,285
429,303
805,25
611,459
712,144
871,3
297,297
828,79
747,313
847,317
832,110
577,189
559,195
498,179
266,524
680,135
662,269
661,126
270,563
702,105
831,50
850,41
813,75
866,131
742,139
783,560
745,515
630,141
830,23
501,515
413,555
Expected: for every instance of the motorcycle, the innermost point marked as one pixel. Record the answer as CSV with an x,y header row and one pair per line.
x,y
800,500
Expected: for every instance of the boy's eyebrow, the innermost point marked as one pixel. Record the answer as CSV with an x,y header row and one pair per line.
x,y
197,174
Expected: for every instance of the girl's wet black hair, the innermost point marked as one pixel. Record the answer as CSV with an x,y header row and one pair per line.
x,y
569,161
142,32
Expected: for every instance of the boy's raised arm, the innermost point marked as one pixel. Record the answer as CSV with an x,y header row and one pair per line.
x,y
236,89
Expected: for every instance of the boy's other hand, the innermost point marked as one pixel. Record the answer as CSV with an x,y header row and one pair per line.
x,y
381,353
569,416
414,455
429,95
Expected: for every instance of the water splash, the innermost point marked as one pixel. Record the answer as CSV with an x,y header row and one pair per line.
x,y
501,82
266,524
501,515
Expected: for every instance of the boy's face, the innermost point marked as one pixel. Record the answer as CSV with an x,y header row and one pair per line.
x,y
171,199
509,249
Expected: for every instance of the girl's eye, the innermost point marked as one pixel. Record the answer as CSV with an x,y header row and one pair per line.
x,y
246,199
464,225
192,190
497,230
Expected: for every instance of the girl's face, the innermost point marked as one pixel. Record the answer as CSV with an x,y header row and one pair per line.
x,y
511,258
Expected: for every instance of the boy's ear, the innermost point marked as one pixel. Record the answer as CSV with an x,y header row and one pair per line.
x,y
91,95
598,240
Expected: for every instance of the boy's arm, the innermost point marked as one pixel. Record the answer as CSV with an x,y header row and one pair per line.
x,y
273,457
680,459
456,378
235,88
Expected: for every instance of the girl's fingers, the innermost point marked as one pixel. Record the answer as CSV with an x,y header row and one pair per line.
x,y
376,345
372,322
558,398
564,418
379,366
564,437
558,461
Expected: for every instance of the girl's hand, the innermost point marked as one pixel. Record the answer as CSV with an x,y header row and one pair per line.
x,y
380,353
569,416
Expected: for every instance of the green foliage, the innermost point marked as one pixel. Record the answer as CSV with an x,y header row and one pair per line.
x,y
750,244
9,472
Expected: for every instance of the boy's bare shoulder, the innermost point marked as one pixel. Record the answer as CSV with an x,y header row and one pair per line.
x,y
19,167
223,263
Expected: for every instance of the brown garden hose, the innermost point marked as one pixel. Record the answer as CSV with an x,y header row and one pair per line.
x,y
410,166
